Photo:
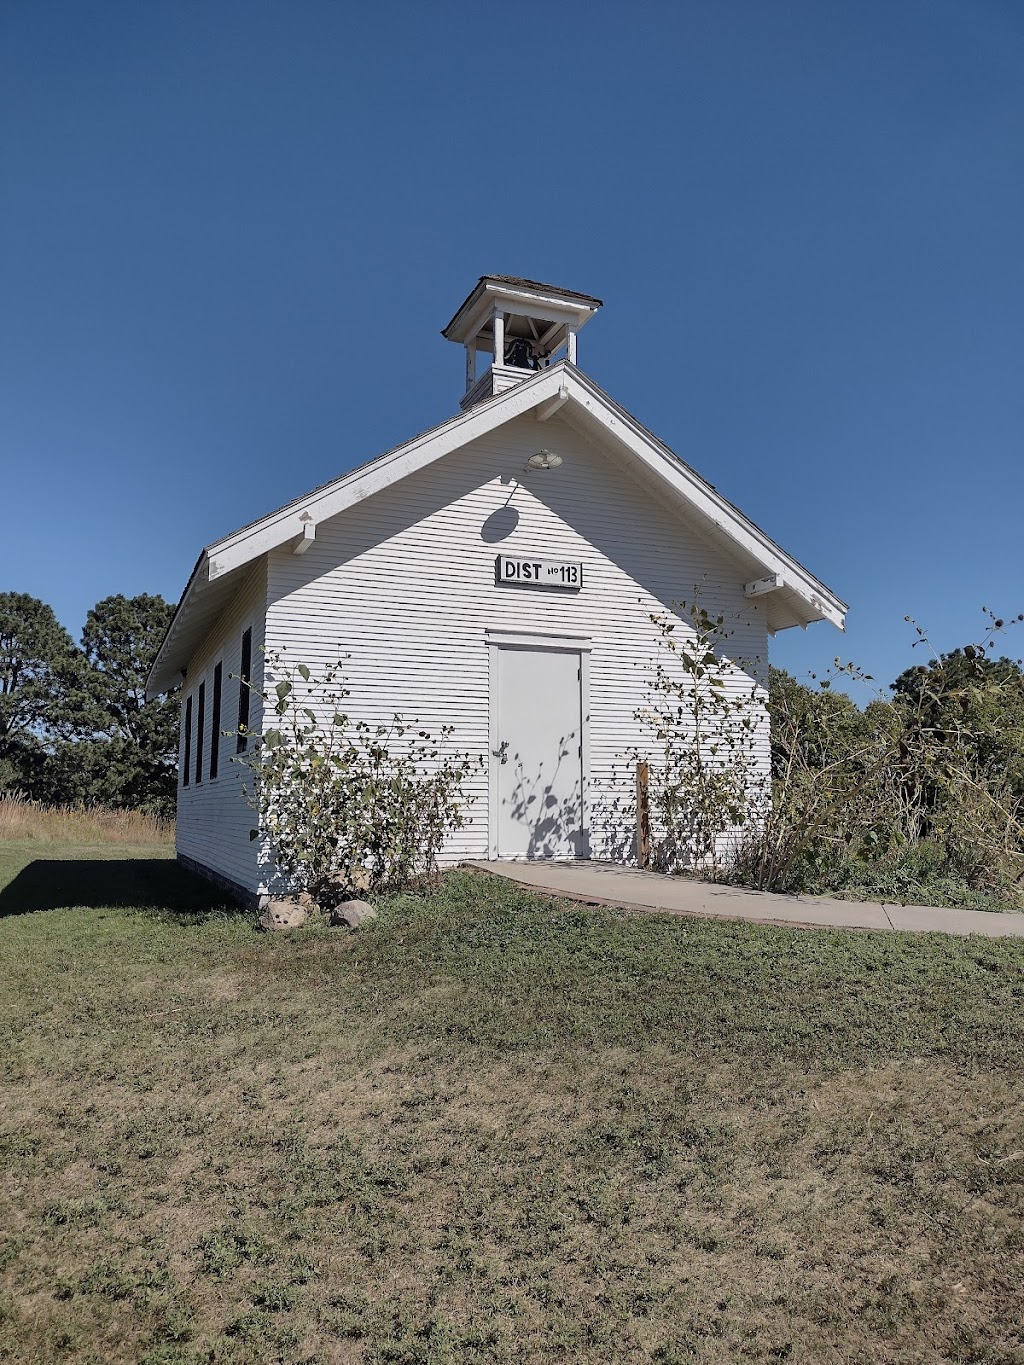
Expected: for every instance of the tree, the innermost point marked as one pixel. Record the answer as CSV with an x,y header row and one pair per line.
x,y
127,746
827,724
75,725
927,788
968,701
37,656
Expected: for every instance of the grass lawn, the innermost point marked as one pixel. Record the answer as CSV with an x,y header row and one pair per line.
x,y
495,1128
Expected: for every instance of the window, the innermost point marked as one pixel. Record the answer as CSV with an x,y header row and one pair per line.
x,y
218,674
187,764
244,678
200,728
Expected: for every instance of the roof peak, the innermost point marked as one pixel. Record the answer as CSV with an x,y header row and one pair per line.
x,y
797,599
518,281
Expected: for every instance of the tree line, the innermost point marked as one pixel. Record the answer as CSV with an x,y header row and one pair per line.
x,y
75,726
920,792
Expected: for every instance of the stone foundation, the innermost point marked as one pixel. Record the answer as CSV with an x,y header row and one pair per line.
x,y
250,900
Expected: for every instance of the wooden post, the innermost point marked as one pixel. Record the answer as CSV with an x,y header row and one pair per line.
x,y
643,817
570,347
499,337
470,364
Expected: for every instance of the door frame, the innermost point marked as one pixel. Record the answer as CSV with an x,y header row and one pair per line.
x,y
527,640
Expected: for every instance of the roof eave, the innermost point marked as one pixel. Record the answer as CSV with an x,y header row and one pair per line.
x,y
223,557
162,675
822,603
564,305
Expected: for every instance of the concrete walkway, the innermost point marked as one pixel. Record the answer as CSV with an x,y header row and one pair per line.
x,y
609,884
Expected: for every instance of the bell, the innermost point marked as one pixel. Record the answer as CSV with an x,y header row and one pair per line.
x,y
519,352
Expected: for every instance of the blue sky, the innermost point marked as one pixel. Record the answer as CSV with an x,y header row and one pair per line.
x,y
230,233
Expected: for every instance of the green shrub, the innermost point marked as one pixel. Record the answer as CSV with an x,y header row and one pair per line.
x,y
344,805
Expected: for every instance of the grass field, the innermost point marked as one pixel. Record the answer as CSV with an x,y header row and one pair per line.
x,y
25,821
493,1128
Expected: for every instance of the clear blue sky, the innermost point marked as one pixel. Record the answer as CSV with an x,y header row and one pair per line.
x,y
230,233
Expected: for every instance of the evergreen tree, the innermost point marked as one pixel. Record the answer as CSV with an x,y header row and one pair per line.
x,y
37,660
130,754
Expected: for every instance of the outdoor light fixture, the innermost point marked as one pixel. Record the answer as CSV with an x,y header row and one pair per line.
x,y
544,459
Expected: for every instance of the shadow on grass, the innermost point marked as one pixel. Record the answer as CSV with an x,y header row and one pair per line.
x,y
139,883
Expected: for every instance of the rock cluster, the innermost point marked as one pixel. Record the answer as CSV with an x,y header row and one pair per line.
x,y
293,912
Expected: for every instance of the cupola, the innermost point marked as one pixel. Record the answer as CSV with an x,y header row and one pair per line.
x,y
523,325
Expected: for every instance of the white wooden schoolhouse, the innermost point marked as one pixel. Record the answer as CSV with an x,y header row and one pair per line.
x,y
496,574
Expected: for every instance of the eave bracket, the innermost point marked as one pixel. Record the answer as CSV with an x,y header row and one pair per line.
x,y
548,409
307,537
761,586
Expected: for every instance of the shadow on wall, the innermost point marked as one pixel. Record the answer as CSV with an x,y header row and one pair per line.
x,y
137,883
649,560
613,816
575,494
499,525
534,801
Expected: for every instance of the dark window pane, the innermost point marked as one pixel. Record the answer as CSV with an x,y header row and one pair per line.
x,y
244,678
200,727
215,721
187,764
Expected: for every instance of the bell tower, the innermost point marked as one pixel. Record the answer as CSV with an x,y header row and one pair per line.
x,y
523,325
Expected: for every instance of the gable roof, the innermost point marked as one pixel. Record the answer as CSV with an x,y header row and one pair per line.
x,y
792,595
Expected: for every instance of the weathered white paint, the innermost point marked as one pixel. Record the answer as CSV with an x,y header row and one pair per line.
x,y
213,820
557,310
591,412
537,757
380,586
498,328
494,380
306,537
548,409
393,567
470,363
594,413
403,583
761,586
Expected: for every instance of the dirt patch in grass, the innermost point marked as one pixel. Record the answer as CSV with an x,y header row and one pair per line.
x,y
497,1129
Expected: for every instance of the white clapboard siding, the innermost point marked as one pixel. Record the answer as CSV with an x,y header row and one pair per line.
x,y
403,583
494,380
214,819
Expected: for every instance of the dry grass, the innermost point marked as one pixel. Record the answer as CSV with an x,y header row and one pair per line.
x,y
493,1129
24,821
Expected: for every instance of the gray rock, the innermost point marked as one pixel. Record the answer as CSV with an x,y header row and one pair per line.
x,y
279,914
353,913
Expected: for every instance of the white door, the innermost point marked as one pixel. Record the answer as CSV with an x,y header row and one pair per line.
x,y
538,755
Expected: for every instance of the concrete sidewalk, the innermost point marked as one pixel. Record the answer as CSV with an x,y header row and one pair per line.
x,y
609,884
